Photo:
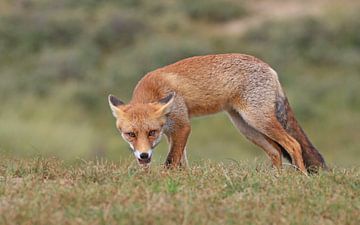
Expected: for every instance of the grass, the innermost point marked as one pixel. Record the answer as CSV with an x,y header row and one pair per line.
x,y
61,59
49,191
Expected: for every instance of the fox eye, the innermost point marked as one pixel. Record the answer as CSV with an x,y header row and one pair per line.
x,y
152,133
131,134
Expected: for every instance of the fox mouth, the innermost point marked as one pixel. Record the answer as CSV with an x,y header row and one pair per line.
x,y
144,161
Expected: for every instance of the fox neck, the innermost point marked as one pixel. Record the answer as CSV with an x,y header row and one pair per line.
x,y
150,89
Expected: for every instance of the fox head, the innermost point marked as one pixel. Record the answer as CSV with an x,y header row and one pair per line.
x,y
141,124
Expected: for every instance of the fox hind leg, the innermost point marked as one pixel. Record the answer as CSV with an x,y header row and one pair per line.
x,y
268,124
271,148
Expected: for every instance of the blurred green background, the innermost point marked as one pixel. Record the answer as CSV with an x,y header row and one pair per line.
x,y
60,59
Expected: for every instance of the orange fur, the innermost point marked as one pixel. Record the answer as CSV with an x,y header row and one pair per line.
x,y
247,88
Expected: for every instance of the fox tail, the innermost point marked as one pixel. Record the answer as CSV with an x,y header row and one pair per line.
x,y
313,160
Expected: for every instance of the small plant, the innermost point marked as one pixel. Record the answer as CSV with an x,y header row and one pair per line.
x,y
213,10
118,30
173,186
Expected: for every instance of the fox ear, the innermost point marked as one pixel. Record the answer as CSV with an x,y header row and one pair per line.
x,y
165,104
114,103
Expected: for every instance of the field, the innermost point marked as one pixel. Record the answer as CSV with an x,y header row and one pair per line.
x,y
48,191
61,59
63,162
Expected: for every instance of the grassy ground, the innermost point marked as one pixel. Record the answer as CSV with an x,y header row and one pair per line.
x,y
49,191
60,59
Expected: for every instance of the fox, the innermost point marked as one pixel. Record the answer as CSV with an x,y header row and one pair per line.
x,y
247,89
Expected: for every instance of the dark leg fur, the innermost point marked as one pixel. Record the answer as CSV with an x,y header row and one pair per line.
x,y
284,114
285,154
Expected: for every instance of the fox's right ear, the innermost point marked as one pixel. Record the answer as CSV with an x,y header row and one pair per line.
x,y
114,103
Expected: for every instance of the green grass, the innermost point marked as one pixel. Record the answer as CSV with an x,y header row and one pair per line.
x,y
49,191
60,60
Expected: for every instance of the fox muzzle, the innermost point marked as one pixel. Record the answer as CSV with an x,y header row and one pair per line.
x,y
143,157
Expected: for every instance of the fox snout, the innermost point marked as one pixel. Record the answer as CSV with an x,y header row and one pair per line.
x,y
143,157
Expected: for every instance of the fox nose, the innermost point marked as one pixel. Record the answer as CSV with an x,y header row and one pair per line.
x,y
144,155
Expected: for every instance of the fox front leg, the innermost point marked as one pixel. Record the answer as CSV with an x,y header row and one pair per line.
x,y
177,139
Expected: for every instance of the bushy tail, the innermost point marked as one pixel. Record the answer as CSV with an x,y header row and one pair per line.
x,y
313,160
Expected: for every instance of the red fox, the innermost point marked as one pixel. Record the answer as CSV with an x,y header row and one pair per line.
x,y
246,88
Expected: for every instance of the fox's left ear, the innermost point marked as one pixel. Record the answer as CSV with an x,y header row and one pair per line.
x,y
114,103
165,104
